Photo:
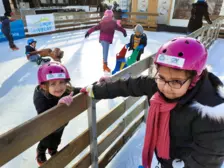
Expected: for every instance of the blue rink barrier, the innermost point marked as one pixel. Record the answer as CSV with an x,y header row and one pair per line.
x,y
17,30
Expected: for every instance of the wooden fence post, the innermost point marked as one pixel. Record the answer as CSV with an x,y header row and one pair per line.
x,y
93,132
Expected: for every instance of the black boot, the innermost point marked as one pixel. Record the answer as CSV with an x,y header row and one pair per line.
x,y
41,157
46,60
39,61
52,152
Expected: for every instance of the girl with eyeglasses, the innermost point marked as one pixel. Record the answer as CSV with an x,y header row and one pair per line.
x,y
185,123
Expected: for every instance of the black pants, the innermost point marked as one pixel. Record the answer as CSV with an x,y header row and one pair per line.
x,y
6,31
51,142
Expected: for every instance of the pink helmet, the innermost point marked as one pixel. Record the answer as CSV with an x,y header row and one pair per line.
x,y
52,71
183,53
109,13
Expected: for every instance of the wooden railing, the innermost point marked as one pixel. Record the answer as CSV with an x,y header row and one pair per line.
x,y
67,21
147,20
17,140
208,33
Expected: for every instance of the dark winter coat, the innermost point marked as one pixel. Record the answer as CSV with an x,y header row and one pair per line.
x,y
196,123
44,102
143,41
101,7
199,10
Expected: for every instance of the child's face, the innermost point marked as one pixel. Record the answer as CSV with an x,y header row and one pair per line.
x,y
57,87
33,44
178,78
137,34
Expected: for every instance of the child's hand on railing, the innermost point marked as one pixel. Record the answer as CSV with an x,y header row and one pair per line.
x,y
66,99
105,79
88,91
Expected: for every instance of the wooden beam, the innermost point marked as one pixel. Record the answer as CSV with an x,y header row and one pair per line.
x,y
119,144
153,7
112,135
143,13
114,114
116,132
69,152
17,140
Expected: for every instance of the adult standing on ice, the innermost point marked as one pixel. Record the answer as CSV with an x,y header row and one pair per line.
x,y
107,28
199,10
185,124
5,19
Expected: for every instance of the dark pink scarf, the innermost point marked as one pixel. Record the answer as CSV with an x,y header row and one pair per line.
x,y
157,134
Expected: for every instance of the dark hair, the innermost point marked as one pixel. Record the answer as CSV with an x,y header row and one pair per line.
x,y
190,74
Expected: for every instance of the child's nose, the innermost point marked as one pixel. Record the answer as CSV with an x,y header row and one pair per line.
x,y
166,87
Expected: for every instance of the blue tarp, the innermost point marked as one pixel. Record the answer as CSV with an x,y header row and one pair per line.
x,y
17,30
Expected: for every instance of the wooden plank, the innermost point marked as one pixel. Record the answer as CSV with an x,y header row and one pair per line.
x,y
135,69
75,24
76,20
58,14
69,152
143,13
112,136
153,7
119,144
85,162
60,30
114,114
27,134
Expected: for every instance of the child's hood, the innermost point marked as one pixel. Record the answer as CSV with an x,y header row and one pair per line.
x,y
209,99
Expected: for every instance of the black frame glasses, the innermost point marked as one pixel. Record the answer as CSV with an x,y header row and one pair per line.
x,y
175,84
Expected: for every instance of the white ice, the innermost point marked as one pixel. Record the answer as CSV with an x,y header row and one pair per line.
x,y
83,58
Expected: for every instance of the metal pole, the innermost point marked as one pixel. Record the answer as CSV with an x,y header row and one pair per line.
x,y
93,132
146,107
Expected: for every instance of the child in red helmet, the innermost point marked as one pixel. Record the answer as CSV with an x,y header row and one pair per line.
x,y
107,28
54,88
185,123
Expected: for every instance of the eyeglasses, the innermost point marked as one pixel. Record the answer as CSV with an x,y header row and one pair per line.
x,y
175,84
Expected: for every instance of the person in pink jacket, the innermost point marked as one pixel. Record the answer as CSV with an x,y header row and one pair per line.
x,y
107,27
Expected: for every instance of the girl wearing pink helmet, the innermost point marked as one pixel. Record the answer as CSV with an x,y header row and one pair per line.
x,y
54,88
185,123
107,28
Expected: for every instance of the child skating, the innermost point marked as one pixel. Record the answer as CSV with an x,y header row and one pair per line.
x,y
32,53
107,28
138,41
